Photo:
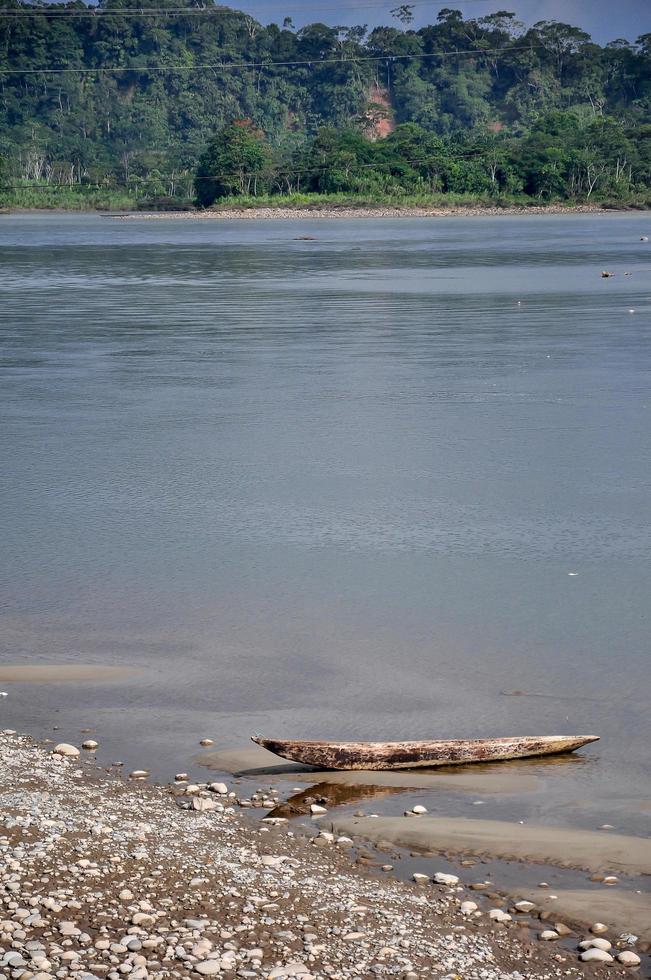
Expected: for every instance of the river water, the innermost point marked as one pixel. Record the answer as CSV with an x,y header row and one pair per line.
x,y
353,487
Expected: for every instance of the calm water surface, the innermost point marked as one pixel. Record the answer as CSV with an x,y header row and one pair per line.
x,y
355,487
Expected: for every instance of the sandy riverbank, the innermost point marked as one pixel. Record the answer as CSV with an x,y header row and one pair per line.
x,y
270,214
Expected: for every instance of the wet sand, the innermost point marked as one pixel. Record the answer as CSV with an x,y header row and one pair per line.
x,y
623,911
62,673
582,849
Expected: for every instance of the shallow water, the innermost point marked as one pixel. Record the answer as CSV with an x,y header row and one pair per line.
x,y
354,487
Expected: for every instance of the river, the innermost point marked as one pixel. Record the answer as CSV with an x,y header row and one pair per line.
x,y
365,486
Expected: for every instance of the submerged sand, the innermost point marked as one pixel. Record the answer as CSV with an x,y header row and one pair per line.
x,y
583,849
623,911
62,673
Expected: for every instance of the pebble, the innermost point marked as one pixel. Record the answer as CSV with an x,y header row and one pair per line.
x,y
220,788
594,955
524,906
441,878
419,809
201,804
420,878
629,958
89,744
598,927
548,934
208,968
315,809
139,774
65,749
499,915
206,741
467,908
596,943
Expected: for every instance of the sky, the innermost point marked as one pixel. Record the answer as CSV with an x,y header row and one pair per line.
x,y
605,20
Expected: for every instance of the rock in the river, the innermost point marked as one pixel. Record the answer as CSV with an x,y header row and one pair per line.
x,y
548,934
419,809
419,878
628,958
524,906
594,955
206,742
89,744
441,878
220,788
598,928
499,915
317,810
64,748
595,944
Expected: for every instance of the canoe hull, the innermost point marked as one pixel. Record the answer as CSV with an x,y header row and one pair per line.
x,y
412,755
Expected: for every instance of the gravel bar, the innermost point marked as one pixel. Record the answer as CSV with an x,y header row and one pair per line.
x,y
106,877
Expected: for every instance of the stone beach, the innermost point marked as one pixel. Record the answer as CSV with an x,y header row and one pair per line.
x,y
350,212
108,877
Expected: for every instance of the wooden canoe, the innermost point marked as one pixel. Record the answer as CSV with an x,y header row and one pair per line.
x,y
411,755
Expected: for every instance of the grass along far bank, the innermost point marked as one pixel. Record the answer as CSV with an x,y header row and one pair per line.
x,y
32,198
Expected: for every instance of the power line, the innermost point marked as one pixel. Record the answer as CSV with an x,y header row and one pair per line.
x,y
313,62
99,12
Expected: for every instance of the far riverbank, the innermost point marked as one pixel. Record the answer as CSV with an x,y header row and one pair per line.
x,y
348,213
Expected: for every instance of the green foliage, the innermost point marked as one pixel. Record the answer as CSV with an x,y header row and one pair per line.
x,y
237,161
482,106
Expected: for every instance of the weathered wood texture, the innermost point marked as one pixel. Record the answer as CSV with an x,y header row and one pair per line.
x,y
410,755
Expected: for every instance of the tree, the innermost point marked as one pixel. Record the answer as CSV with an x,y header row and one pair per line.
x,y
404,13
238,160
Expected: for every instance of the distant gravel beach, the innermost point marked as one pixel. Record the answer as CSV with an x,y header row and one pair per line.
x,y
270,214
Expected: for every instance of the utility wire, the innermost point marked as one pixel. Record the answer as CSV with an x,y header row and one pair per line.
x,y
98,12
311,63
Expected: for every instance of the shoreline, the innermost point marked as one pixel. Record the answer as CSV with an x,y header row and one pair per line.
x,y
352,212
159,881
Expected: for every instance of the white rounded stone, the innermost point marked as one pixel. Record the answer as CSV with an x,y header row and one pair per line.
x,y
628,958
64,748
594,955
441,878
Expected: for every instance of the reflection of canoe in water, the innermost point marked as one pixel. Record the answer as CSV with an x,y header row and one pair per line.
x,y
410,755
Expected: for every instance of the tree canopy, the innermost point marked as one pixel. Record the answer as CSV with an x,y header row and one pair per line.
x,y
141,92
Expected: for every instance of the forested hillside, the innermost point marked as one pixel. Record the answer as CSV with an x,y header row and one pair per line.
x,y
122,97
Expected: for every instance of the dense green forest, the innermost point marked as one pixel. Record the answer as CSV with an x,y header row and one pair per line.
x,y
130,101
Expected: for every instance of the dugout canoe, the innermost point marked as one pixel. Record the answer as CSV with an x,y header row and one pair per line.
x,y
412,755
